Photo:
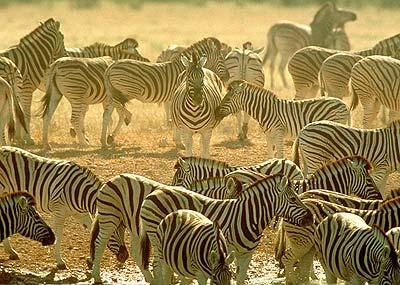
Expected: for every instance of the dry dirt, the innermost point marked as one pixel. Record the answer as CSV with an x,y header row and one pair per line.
x,y
145,147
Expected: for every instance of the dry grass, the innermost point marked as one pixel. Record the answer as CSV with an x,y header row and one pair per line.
x,y
140,148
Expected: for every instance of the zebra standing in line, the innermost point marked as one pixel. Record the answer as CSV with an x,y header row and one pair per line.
x,y
152,83
18,215
190,169
33,55
188,236
245,64
353,251
374,81
194,103
317,143
60,187
278,117
242,220
287,37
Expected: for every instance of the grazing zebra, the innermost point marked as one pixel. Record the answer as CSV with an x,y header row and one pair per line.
x,y
300,239
153,83
33,55
374,82
190,169
278,117
287,37
18,215
60,187
245,64
191,245
317,143
194,103
353,251
242,220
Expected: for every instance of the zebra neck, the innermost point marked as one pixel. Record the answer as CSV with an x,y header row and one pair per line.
x,y
364,52
386,217
319,32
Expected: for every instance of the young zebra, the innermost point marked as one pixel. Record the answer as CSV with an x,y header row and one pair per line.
x,y
373,82
190,169
245,64
278,117
335,71
154,82
287,37
353,251
60,187
18,215
242,220
191,245
194,103
317,143
33,55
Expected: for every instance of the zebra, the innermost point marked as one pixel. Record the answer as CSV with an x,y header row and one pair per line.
x,y
373,82
190,169
394,236
242,220
220,187
278,117
301,238
81,81
317,143
18,215
287,37
191,245
33,55
60,187
245,63
350,249
153,83
194,103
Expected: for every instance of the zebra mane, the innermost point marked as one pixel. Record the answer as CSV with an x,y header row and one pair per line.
x,y
86,170
393,253
267,177
193,160
387,204
199,46
254,89
48,24
30,199
343,161
393,40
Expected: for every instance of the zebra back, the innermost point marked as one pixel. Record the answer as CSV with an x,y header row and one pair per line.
x,y
18,215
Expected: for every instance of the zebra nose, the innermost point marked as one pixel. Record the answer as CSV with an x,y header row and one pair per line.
x,y
122,254
49,239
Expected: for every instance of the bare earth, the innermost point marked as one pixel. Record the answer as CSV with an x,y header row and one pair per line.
x,y
145,147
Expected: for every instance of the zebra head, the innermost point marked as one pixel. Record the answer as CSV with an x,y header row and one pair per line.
x,y
230,104
56,38
30,224
389,270
220,260
195,78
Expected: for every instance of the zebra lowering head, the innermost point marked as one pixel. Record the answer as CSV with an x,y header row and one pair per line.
x,y
20,216
195,77
230,104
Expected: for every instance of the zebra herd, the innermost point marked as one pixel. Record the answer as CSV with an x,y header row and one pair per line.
x,y
329,200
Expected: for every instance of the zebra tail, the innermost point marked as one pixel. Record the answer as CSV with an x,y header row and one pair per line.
x,y
115,94
93,235
280,244
50,84
145,250
321,81
19,114
295,152
354,97
270,46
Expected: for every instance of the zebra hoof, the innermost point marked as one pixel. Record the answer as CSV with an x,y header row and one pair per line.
x,y
61,266
89,263
128,119
46,147
180,146
122,254
110,140
14,256
29,141
72,132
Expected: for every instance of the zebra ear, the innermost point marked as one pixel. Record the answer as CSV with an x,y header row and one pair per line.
x,y
185,61
283,183
57,25
23,203
259,50
203,60
183,164
234,187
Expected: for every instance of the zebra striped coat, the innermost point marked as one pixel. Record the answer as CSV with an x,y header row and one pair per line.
x,y
317,143
18,215
60,187
241,226
374,80
194,247
278,117
245,64
153,83
33,55
287,37
194,103
353,251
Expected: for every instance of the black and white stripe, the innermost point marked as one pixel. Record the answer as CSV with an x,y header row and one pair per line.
x,y
194,247
33,55
279,118
242,220
155,82
194,103
351,250
318,144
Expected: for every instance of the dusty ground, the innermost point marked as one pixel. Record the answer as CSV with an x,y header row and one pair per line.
x,y
145,147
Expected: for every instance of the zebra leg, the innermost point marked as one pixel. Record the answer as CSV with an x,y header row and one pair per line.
x,y
85,219
77,118
371,109
135,252
282,68
168,116
186,281
168,274
242,263
124,116
205,138
177,137
306,266
59,220
202,279
188,141
245,127
9,249
239,125
108,109
53,103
